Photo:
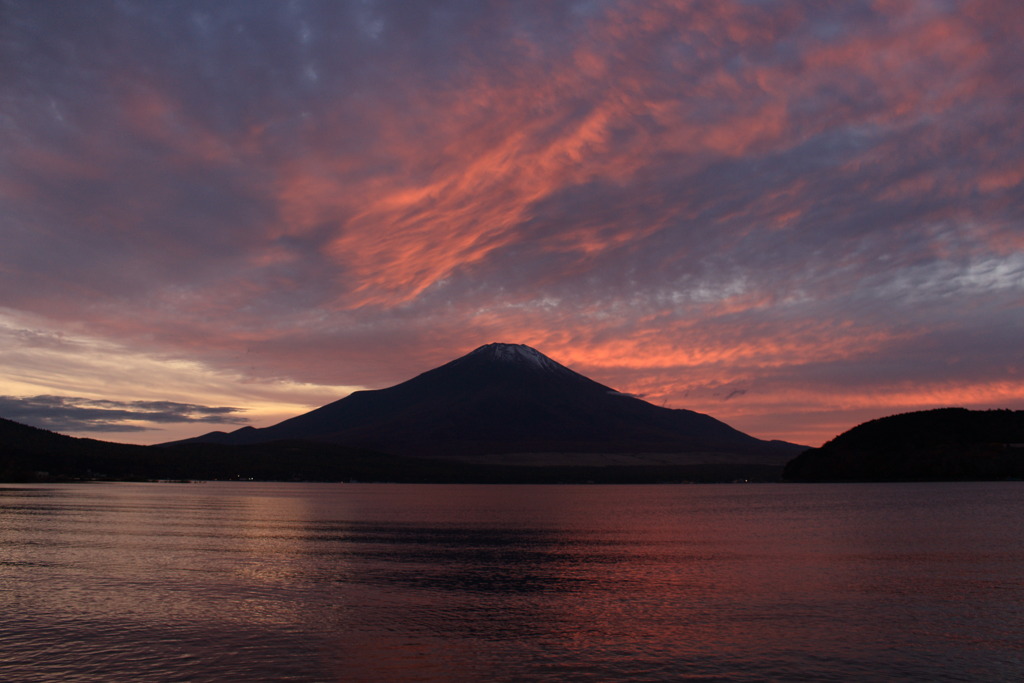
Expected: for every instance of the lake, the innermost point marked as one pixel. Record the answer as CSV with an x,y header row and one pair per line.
x,y
324,582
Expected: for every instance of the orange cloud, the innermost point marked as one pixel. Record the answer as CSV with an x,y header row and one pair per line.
x,y
155,115
1001,179
486,150
815,414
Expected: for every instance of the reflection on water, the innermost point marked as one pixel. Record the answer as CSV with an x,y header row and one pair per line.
x,y
378,582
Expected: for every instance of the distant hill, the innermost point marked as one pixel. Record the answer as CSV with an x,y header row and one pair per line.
x,y
28,454
931,445
511,399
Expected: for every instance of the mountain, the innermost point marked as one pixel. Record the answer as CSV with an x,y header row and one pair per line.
x,y
931,445
511,399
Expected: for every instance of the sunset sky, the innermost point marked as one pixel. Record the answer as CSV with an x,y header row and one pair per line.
x,y
791,215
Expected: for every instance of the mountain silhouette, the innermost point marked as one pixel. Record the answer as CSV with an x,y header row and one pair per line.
x,y
508,398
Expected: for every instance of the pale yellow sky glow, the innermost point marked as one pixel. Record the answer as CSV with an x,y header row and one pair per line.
x,y
36,359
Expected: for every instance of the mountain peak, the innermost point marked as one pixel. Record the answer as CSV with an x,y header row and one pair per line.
x,y
515,353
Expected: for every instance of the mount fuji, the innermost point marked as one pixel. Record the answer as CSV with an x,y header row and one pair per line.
x,y
511,400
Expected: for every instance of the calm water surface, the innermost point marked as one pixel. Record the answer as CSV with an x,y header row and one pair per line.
x,y
323,582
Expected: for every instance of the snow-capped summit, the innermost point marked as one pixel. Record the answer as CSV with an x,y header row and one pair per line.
x,y
516,353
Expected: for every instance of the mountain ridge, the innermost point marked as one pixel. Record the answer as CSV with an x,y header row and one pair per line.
x,y
507,398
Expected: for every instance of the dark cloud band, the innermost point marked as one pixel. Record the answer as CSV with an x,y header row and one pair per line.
x,y
75,414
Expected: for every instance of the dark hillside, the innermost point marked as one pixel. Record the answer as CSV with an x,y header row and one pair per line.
x,y
932,445
31,454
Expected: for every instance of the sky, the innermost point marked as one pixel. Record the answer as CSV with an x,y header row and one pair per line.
x,y
792,215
